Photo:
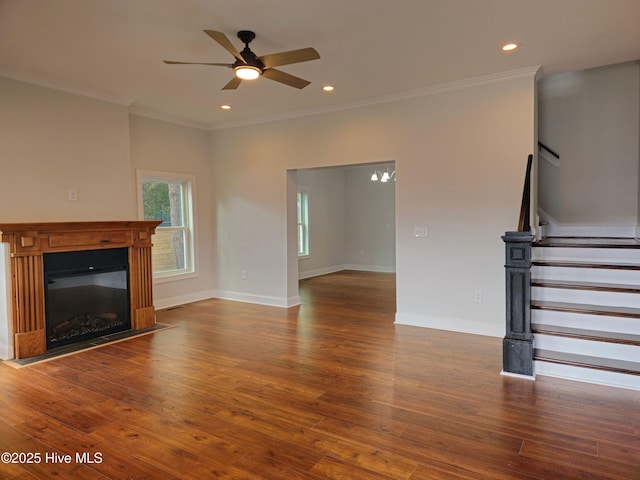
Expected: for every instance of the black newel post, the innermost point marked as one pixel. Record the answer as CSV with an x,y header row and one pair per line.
x,y
517,346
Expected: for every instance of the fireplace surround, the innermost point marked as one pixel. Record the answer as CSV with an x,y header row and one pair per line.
x,y
25,246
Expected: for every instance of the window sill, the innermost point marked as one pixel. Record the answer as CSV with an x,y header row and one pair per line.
x,y
172,277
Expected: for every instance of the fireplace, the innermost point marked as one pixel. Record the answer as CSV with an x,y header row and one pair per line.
x,y
50,269
86,295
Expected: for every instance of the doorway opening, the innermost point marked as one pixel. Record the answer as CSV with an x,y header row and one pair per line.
x,y
351,221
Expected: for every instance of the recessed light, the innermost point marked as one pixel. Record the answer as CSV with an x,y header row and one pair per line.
x,y
510,47
225,107
328,88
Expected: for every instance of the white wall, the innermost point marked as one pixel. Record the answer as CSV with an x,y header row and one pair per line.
x,y
592,119
327,220
51,142
166,147
371,220
6,319
460,157
461,174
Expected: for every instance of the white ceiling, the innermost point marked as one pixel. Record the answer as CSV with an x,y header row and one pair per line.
x,y
370,49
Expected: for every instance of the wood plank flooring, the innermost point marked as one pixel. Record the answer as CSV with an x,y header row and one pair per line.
x,y
328,390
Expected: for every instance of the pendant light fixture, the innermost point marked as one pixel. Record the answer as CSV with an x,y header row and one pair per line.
x,y
383,177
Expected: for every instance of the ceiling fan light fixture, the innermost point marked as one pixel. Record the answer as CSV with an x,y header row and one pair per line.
x,y
249,66
247,72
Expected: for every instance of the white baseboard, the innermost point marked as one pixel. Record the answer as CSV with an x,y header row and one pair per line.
x,y
320,271
370,268
518,375
624,231
347,266
587,375
451,324
259,299
293,301
162,303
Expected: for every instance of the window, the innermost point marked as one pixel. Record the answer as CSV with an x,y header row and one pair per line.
x,y
303,223
168,197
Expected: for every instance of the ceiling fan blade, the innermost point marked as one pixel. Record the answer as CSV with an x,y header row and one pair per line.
x,y
171,62
232,84
222,39
287,79
292,56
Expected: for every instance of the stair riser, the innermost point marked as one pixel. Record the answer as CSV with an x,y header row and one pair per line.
x,y
582,348
604,255
626,277
588,375
598,323
630,353
586,297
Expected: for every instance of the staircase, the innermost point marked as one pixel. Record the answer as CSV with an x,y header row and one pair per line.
x,y
585,317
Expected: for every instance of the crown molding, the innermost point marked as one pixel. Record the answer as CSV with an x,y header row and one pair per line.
x,y
534,72
83,92
105,97
166,117
527,72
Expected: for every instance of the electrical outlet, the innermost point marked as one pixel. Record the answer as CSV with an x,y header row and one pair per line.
x,y
245,275
73,195
477,296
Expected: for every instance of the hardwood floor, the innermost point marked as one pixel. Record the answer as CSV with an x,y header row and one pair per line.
x,y
328,390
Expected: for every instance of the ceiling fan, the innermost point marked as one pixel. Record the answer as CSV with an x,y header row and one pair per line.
x,y
249,66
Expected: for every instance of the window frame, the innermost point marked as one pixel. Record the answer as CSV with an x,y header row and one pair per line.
x,y
302,220
188,183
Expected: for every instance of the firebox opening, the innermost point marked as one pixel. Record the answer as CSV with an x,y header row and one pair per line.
x,y
86,295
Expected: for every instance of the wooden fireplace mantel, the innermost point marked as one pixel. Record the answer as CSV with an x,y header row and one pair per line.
x,y
29,241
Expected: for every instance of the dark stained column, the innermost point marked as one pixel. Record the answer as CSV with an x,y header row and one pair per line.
x,y
517,345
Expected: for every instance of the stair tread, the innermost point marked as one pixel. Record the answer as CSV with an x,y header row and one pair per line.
x,y
586,264
586,334
576,285
620,366
589,309
588,242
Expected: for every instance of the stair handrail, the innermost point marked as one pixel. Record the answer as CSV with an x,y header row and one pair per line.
x,y
544,147
524,221
549,155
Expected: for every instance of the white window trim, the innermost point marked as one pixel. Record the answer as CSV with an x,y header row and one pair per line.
x,y
189,219
306,192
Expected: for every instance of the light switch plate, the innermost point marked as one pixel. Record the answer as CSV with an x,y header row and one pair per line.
x,y
420,232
